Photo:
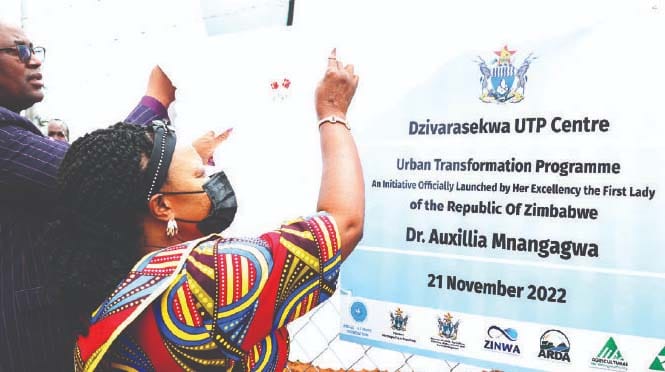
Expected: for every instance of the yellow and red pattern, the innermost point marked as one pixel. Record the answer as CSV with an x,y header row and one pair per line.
x,y
215,303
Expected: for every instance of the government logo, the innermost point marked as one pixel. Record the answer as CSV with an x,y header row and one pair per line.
x,y
501,81
399,320
502,340
446,327
609,357
447,331
554,345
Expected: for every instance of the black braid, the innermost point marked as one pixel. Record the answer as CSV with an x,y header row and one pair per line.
x,y
102,189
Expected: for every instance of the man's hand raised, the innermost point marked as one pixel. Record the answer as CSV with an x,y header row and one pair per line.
x,y
160,87
207,144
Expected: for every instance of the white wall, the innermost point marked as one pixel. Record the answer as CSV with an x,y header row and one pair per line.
x,y
99,52
10,11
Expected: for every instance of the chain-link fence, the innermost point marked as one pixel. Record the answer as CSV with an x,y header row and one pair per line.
x,y
315,340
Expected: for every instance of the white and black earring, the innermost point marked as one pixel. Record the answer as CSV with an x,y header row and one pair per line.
x,y
171,228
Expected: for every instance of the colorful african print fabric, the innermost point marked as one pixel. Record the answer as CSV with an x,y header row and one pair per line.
x,y
215,303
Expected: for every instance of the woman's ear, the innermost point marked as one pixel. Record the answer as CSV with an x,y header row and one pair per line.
x,y
160,207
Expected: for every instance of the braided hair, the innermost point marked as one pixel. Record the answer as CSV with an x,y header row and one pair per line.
x,y
102,188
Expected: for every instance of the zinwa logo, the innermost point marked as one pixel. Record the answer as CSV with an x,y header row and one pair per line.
x,y
501,81
502,340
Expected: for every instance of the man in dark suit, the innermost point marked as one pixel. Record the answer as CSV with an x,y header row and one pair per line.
x,y
30,335
28,165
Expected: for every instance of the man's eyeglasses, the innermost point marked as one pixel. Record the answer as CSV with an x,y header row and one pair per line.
x,y
25,52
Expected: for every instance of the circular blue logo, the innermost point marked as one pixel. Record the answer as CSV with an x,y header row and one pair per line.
x,y
358,311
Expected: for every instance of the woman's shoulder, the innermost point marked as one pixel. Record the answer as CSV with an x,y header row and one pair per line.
x,y
298,234
226,250
222,244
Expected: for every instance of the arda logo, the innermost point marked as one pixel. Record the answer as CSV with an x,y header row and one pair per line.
x,y
658,363
554,345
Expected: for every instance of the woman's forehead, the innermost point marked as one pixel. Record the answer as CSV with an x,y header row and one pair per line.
x,y
185,153
184,165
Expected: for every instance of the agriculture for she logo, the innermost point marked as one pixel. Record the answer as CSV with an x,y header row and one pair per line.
x,y
500,80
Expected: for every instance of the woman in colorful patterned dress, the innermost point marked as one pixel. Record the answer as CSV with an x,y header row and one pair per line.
x,y
195,300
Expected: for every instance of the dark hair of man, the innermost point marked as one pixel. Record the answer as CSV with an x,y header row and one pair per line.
x,y
102,187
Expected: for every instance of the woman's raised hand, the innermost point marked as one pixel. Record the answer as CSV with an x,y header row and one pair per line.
x,y
336,89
